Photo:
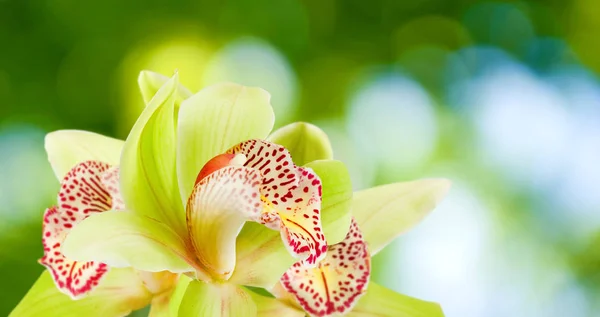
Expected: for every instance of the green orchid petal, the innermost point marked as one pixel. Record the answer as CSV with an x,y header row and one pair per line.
x,y
261,257
119,293
177,294
215,119
150,82
67,148
163,285
216,300
385,212
159,307
268,306
306,142
380,301
122,239
337,198
148,178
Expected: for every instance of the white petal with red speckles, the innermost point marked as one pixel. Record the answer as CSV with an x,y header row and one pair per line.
x,y
72,278
275,165
337,283
110,181
82,192
216,211
291,198
300,216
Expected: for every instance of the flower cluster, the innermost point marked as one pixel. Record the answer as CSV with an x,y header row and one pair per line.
x,y
202,205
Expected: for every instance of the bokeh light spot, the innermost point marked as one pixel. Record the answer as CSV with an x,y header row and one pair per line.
x,y
186,55
392,120
253,62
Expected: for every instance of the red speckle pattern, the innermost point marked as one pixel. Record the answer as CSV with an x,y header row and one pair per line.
x,y
291,198
229,188
301,219
275,165
72,278
110,181
82,193
337,283
215,212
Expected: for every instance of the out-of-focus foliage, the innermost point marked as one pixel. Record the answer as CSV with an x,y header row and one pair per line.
x,y
500,96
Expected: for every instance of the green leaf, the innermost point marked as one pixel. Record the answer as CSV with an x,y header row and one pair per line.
x,y
67,148
380,301
215,119
216,300
306,142
267,306
261,257
122,239
120,292
387,211
148,177
336,199
150,82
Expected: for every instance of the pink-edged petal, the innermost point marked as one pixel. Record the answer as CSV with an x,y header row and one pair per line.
x,y
219,206
72,278
337,283
110,181
300,216
82,192
291,198
275,165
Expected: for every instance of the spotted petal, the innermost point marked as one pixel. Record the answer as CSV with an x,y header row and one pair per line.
x,y
339,280
300,216
275,165
81,194
216,211
291,196
110,181
72,278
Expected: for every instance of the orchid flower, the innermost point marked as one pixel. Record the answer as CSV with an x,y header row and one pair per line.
x,y
90,186
200,202
191,174
340,286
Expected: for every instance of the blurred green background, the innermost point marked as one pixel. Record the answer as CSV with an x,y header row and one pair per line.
x,y
501,97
